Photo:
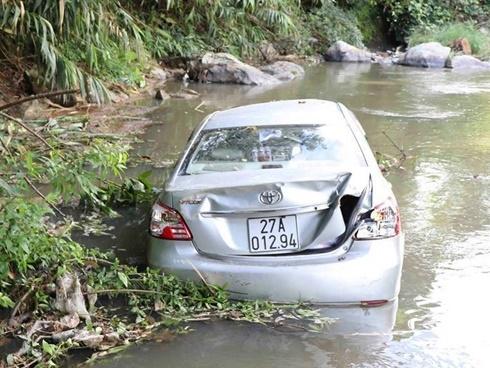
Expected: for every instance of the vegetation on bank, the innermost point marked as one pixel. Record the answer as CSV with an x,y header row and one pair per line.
x,y
403,17
92,44
447,34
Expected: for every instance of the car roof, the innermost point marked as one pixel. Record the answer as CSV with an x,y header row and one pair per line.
x,y
286,112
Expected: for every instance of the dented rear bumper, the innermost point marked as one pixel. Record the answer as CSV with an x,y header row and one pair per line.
x,y
361,271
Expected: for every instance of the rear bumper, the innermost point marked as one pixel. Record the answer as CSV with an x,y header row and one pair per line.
x,y
368,270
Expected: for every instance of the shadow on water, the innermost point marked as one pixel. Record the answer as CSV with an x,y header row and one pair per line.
x,y
126,235
442,119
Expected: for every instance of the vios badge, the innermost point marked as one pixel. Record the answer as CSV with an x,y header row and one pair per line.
x,y
270,197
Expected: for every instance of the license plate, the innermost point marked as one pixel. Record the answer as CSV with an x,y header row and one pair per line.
x,y
272,234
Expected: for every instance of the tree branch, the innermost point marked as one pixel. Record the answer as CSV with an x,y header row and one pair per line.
x,y
33,187
38,96
23,125
123,291
402,152
21,301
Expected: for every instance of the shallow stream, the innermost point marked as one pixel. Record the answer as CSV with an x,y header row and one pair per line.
x,y
441,118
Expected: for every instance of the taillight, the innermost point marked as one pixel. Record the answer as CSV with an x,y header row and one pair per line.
x,y
383,221
167,223
373,303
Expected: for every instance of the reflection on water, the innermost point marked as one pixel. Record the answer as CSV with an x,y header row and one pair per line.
x,y
442,119
230,344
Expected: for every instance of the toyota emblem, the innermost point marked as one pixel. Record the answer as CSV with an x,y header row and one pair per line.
x,y
270,197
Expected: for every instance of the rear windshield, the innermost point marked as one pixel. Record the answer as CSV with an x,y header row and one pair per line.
x,y
257,148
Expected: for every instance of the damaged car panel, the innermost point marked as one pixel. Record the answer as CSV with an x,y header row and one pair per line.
x,y
282,187
219,215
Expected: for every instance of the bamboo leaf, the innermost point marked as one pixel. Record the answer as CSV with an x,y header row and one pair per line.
x,y
6,187
61,5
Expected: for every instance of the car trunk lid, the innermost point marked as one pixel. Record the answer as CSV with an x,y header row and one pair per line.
x,y
226,211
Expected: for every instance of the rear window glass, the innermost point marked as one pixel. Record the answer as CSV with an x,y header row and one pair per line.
x,y
257,148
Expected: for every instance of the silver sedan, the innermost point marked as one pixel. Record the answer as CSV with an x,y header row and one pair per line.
x,y
281,201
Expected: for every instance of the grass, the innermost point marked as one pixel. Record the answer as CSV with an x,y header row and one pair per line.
x,y
479,41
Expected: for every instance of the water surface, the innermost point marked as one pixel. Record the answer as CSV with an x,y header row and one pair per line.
x,y
442,120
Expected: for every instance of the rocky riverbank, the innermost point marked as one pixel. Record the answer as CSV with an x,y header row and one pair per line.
x,y
274,68
270,69
425,55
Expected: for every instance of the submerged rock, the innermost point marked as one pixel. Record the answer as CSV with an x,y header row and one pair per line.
x,y
225,68
284,70
466,62
426,55
342,51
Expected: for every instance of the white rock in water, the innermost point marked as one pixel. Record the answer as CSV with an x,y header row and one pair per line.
x,y
284,70
226,68
344,52
467,62
426,55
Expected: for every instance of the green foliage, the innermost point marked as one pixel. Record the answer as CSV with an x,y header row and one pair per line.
x,y
5,301
35,249
117,64
30,250
77,43
186,28
74,173
80,43
480,42
331,23
369,20
44,29
406,16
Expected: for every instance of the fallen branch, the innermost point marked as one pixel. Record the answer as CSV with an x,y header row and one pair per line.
x,y
198,106
33,187
203,279
21,301
190,91
38,96
23,125
4,145
402,152
124,291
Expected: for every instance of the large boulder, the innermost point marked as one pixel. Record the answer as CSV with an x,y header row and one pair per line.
x,y
467,62
284,70
426,55
225,68
342,51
